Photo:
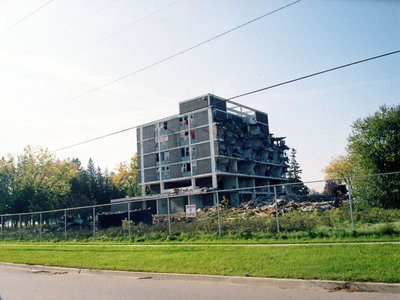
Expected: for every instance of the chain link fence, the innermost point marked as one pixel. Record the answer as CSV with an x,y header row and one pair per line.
x,y
292,210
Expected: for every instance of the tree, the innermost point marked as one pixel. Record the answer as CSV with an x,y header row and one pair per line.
x,y
293,173
33,181
42,181
92,186
339,167
294,170
7,183
91,181
374,146
127,177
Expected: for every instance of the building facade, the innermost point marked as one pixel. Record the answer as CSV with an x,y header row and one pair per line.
x,y
212,144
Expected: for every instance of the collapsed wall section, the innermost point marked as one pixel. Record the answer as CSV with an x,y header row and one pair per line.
x,y
250,142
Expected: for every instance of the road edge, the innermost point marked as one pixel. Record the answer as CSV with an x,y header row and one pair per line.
x,y
390,288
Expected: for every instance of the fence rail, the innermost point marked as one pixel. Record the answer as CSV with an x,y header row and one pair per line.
x,y
274,216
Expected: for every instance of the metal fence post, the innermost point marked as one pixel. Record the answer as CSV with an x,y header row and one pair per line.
x,y
19,227
65,224
129,219
219,217
277,211
351,202
94,222
40,225
169,216
2,225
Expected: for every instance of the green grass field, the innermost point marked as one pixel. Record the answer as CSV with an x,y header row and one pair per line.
x,y
365,262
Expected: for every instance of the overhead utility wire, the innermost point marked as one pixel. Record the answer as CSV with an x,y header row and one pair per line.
x,y
97,138
172,56
26,17
244,94
83,18
122,29
314,74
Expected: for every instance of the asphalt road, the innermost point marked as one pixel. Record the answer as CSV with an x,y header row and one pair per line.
x,y
17,283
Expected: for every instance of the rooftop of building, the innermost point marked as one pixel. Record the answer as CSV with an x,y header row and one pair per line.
x,y
231,107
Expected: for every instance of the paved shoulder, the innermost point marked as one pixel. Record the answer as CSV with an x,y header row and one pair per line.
x,y
28,282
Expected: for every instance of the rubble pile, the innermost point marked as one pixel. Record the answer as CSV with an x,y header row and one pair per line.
x,y
251,208
284,206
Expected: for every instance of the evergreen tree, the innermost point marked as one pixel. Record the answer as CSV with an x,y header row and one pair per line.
x,y
294,170
293,174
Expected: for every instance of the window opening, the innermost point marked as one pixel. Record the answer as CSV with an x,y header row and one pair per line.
x,y
184,120
165,156
194,167
185,167
185,151
163,125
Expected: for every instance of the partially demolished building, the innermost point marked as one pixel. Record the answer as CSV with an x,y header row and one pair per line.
x,y
212,144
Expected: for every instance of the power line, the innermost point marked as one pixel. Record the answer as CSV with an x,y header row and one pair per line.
x,y
97,138
173,56
314,74
26,17
118,31
83,18
242,95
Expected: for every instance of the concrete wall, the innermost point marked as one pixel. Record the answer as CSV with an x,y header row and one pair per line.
x,y
175,171
200,118
204,166
218,103
175,156
148,131
173,140
150,175
149,160
173,125
149,146
202,150
201,134
194,104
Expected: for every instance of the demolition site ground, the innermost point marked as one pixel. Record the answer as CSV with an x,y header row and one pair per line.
x,y
251,222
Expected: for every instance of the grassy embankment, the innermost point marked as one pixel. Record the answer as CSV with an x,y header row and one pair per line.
x,y
379,263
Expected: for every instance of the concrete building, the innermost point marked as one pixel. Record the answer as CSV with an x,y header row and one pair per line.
x,y
212,143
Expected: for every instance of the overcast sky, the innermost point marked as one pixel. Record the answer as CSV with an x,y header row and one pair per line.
x,y
69,47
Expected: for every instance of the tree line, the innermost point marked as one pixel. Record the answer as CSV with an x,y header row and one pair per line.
x,y
36,180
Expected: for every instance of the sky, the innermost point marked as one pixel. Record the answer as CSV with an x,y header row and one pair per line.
x,y
52,58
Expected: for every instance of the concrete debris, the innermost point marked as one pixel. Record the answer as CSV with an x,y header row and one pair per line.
x,y
252,208
243,140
